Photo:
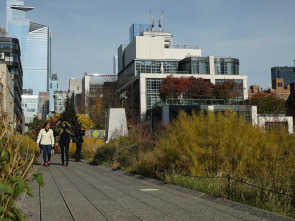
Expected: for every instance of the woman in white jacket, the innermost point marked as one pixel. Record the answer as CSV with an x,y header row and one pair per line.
x,y
46,141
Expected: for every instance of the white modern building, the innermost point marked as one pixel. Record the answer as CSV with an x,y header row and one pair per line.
x,y
59,101
151,57
92,84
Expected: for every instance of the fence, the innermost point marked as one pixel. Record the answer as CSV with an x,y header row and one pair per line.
x,y
229,178
229,184
99,134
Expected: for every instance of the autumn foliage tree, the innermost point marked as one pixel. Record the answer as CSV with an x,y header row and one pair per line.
x,y
226,90
189,87
85,121
268,103
198,88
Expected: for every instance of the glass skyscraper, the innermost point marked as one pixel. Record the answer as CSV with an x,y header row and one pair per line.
x,y
36,59
53,86
35,44
137,29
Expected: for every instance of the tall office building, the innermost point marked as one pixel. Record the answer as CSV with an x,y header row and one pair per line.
x,y
137,29
43,104
121,56
53,86
35,44
287,73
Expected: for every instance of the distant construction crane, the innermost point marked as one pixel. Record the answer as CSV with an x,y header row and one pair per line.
x,y
160,22
153,21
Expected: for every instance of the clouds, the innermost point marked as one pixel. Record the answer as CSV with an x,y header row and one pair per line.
x,y
86,34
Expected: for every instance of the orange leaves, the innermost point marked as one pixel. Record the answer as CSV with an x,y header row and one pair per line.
x,y
189,87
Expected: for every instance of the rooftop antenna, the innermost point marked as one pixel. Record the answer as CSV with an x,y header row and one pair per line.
x,y
160,22
153,21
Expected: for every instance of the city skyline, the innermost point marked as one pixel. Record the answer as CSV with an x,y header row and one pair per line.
x,y
34,45
85,39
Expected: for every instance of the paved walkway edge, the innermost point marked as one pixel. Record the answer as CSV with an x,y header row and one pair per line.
x,y
238,206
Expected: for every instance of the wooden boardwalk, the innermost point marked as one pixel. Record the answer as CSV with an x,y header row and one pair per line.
x,y
82,191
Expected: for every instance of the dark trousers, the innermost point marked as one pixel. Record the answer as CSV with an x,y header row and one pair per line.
x,y
64,147
78,151
46,152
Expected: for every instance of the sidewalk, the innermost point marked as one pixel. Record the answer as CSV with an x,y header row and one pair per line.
x,y
82,191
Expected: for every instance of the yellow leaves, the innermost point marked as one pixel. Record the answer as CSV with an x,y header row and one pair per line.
x,y
85,121
215,143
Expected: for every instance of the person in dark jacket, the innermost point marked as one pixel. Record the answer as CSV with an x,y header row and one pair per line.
x,y
79,133
64,138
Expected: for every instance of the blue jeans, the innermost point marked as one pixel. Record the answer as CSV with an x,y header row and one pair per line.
x,y
46,151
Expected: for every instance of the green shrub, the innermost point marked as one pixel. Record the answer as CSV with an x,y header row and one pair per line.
x,y
214,145
17,155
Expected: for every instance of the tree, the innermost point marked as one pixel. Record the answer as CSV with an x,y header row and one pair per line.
x,y
199,88
172,87
226,90
85,121
189,87
95,110
69,114
34,127
268,103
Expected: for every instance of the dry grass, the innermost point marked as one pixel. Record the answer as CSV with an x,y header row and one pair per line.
x,y
89,148
213,145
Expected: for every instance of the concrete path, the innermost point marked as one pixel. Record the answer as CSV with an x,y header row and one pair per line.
x,y
82,191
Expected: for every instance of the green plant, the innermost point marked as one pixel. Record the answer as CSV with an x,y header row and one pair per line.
x,y
16,161
213,145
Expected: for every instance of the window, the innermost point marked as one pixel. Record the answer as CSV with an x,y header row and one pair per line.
x,y
153,85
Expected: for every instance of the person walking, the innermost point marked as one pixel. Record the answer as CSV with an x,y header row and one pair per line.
x,y
64,138
46,141
79,133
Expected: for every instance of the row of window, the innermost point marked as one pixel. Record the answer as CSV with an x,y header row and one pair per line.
x,y
156,67
11,57
8,45
153,86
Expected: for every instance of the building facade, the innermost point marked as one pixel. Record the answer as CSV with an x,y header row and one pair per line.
x,y
287,73
10,49
75,94
115,64
6,93
53,86
59,101
93,85
43,104
35,45
30,108
137,29
278,89
36,58
151,57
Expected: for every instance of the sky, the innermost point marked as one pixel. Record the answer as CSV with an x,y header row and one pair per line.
x,y
86,34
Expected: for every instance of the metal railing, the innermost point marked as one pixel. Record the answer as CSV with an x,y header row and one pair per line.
x,y
184,101
229,178
185,46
